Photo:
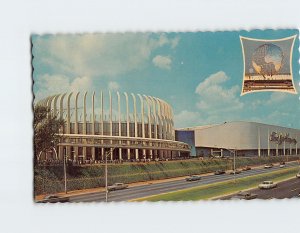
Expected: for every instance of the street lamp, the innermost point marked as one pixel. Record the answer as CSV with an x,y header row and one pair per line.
x,y
234,152
65,172
106,178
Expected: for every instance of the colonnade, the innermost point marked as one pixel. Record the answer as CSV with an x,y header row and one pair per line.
x,y
157,112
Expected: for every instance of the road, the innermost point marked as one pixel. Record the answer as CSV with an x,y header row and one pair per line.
x,y
285,189
168,186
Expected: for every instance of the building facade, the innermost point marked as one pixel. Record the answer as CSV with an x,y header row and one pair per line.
x,y
246,138
131,127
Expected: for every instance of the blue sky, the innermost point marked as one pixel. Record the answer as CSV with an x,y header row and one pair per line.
x,y
199,73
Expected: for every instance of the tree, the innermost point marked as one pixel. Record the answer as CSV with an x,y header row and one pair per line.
x,y
46,129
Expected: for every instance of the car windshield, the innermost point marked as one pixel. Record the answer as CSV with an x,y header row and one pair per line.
x,y
267,182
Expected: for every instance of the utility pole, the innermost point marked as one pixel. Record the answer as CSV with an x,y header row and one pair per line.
x,y
106,190
234,152
106,176
65,173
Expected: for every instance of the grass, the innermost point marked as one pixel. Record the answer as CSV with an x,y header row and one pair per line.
x,y
50,179
222,188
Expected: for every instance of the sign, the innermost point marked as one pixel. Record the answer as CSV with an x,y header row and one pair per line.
x,y
279,138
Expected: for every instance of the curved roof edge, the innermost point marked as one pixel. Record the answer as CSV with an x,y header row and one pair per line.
x,y
231,122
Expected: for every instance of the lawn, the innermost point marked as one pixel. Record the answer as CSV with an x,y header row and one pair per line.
x,y
222,188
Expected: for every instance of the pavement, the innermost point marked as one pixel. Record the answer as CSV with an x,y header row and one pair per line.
x,y
153,188
285,189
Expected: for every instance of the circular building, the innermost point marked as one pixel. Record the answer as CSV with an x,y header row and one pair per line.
x,y
123,126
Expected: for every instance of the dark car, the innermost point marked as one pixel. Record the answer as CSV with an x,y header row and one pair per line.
x,y
53,198
246,168
236,172
193,178
244,196
219,172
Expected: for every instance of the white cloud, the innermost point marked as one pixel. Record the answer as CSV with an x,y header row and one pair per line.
x,y
214,97
277,97
187,118
47,85
163,62
91,55
113,86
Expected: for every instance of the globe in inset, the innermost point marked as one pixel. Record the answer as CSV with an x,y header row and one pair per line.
x,y
267,59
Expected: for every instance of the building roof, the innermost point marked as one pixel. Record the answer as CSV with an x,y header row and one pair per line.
x,y
230,122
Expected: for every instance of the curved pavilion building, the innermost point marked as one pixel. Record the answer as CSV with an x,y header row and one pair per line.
x,y
132,126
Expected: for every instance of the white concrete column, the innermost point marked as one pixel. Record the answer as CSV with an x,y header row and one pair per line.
x,y
149,122
258,142
160,126
76,124
49,101
127,123
155,121
164,121
101,123
110,120
68,130
61,106
61,115
143,120
268,138
84,126
119,116
55,105
93,123
135,124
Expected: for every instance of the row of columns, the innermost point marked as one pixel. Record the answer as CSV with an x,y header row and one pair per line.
x,y
277,146
161,111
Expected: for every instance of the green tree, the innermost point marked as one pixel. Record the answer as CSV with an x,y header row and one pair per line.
x,y
46,129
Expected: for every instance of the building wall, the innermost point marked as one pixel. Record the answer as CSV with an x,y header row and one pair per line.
x,y
244,136
187,137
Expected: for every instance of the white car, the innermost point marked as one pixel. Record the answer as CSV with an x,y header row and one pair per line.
x,y
117,186
270,165
282,164
298,175
267,185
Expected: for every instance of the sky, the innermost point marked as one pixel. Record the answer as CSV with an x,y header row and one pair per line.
x,y
199,74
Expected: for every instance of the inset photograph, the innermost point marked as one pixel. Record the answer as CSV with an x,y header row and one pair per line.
x,y
267,65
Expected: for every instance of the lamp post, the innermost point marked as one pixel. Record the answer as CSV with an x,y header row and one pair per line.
x,y
65,172
106,177
234,153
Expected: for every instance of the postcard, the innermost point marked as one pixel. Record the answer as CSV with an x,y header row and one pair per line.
x,y
166,116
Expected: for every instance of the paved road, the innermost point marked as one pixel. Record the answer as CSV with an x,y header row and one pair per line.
x,y
285,189
158,188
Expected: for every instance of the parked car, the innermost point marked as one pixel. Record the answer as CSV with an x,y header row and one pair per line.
x,y
270,165
236,172
117,186
267,185
244,196
193,178
298,175
246,168
219,172
53,198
